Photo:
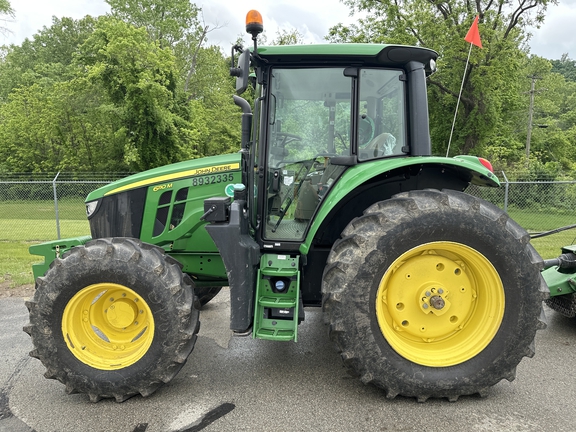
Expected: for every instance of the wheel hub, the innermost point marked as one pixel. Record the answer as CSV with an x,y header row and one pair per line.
x,y
108,326
428,305
121,314
435,300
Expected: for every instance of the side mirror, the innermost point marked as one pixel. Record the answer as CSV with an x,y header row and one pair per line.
x,y
243,72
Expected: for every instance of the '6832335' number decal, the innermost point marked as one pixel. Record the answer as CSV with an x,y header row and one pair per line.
x,y
212,179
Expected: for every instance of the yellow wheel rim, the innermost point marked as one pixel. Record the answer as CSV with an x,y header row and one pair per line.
x,y
108,326
440,304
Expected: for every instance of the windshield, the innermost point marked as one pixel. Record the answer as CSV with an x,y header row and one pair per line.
x,y
310,123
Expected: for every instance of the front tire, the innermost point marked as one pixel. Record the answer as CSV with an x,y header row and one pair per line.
x,y
433,294
113,318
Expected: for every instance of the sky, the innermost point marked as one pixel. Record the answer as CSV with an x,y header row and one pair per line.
x,y
311,18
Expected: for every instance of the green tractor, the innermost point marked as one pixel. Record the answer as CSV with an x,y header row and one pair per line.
x,y
333,201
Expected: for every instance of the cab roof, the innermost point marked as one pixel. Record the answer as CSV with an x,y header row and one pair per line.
x,y
349,54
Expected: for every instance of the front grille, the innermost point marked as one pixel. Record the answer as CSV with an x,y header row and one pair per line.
x,y
119,215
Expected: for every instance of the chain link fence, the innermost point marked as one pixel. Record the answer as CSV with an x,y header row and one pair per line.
x,y
34,209
539,206
536,205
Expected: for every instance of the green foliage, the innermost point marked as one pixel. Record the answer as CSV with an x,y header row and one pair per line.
x,y
56,127
46,58
52,117
127,92
565,67
166,21
215,119
552,141
142,87
5,9
288,37
140,80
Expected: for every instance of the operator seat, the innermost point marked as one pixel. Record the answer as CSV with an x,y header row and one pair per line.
x,y
382,145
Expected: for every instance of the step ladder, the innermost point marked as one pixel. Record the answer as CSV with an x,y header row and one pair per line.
x,y
277,305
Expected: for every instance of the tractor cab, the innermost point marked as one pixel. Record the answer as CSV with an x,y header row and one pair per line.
x,y
318,146
319,111
315,127
334,128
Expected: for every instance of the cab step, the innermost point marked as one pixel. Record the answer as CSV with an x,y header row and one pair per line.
x,y
278,306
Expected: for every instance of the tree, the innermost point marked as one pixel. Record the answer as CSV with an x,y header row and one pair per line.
x,y
166,21
46,57
91,95
492,80
140,80
565,66
202,70
554,120
288,37
209,89
171,23
52,117
5,10
59,127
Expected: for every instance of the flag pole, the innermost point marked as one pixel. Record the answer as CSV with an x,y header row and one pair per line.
x,y
458,102
473,36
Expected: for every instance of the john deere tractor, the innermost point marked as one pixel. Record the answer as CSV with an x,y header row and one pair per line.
x,y
333,201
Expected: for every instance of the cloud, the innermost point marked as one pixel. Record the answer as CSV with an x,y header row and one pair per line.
x,y
556,36
33,15
312,19
226,25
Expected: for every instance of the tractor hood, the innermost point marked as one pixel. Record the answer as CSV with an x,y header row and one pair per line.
x,y
168,173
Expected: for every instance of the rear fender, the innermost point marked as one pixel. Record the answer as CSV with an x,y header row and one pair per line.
x,y
405,174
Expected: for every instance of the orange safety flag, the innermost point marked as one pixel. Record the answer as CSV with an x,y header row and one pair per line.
x,y
473,35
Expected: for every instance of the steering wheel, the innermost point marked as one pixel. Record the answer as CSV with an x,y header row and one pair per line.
x,y
287,138
365,130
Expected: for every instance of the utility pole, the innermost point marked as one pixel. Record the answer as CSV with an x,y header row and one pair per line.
x,y
530,114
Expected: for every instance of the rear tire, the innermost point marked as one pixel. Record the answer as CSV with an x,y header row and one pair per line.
x,y
433,294
113,318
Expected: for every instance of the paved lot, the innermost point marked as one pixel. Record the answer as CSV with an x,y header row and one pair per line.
x,y
241,384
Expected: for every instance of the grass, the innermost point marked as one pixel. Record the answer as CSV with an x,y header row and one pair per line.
x,y
549,247
533,221
23,223
40,230
68,209
16,263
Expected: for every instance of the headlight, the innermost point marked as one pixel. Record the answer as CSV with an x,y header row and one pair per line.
x,y
91,207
